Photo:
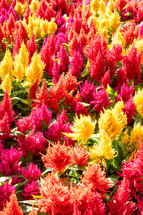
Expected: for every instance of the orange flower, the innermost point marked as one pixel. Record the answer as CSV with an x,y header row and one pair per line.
x,y
12,207
94,178
56,197
80,155
57,157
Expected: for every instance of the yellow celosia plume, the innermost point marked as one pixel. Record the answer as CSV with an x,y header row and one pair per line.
x,y
6,65
83,128
34,71
6,84
138,100
113,121
103,150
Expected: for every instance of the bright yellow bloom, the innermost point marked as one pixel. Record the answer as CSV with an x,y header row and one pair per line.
x,y
52,27
22,56
19,71
138,100
136,137
114,21
102,6
83,128
113,121
6,84
110,7
34,6
103,150
6,65
118,39
20,9
125,138
34,71
94,5
139,45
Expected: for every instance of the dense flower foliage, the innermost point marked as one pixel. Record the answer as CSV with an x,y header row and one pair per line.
x,y
71,107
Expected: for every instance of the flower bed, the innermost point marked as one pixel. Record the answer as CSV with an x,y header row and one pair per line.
x,y
71,107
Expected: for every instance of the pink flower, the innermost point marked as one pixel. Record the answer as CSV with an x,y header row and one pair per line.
x,y
125,92
32,172
100,101
9,164
30,189
76,64
87,91
64,59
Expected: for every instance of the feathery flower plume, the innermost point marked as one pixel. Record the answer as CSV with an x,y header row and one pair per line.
x,y
32,172
94,177
57,157
83,128
138,100
87,91
79,155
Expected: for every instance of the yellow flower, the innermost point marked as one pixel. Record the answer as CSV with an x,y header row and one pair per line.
x,y
6,65
6,84
52,27
22,56
83,128
136,137
110,7
118,39
114,21
19,71
34,71
138,100
94,5
34,6
139,45
113,121
103,150
125,138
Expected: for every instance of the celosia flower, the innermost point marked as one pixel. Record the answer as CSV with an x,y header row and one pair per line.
x,y
87,91
138,100
56,197
102,150
100,100
23,124
80,109
64,59
121,205
79,155
33,212
6,84
5,192
129,110
94,177
32,172
12,207
83,128
135,137
32,188
113,121
125,92
81,196
76,64
35,70
9,164
57,157
38,115
6,65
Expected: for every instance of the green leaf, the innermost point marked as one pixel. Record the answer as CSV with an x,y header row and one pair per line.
x,y
44,125
46,171
74,174
85,72
85,104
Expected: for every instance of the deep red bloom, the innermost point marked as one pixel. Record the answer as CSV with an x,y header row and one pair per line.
x,y
64,59
1,34
57,157
94,177
121,204
17,44
132,63
27,13
125,93
80,109
76,64
129,109
87,91
55,72
44,11
23,124
31,47
105,79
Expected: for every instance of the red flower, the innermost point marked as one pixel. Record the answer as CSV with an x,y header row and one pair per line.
x,y
31,188
121,204
32,172
57,157
94,178
31,47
